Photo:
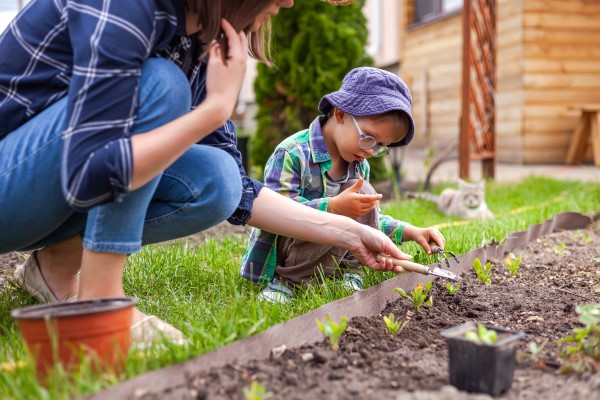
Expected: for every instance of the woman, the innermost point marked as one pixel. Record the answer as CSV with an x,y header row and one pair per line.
x,y
98,141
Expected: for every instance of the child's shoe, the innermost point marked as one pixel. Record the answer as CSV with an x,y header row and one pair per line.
x,y
276,292
353,282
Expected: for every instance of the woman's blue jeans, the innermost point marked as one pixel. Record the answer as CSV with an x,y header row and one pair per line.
x,y
202,188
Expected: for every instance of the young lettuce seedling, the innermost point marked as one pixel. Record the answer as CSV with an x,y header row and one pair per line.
x,y
452,287
395,327
536,351
583,353
256,391
483,335
418,296
484,273
560,249
513,263
332,330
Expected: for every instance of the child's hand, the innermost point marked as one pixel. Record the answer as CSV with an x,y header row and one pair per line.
x,y
423,236
353,204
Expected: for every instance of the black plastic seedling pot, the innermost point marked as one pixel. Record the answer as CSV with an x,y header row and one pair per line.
x,y
478,367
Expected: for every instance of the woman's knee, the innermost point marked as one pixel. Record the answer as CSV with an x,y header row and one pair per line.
x,y
164,93
209,182
226,184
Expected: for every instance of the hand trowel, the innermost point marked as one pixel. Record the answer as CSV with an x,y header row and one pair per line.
x,y
421,269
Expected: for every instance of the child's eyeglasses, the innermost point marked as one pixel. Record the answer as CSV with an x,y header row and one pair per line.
x,y
367,142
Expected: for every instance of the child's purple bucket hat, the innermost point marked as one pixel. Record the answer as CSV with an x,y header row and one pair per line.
x,y
371,91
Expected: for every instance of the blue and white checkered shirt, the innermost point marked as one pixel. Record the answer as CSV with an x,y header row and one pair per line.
x,y
92,52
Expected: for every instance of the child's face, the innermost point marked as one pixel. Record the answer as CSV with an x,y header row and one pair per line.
x,y
347,136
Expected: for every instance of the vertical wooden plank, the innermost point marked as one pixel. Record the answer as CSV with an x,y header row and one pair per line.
x,y
595,132
579,140
488,166
464,153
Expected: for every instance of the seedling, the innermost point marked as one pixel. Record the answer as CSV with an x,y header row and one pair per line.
x,y
483,335
452,287
418,296
559,250
256,391
536,351
584,236
395,327
332,330
583,354
513,263
484,273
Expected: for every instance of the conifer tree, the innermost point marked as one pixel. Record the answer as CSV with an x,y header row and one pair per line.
x,y
314,45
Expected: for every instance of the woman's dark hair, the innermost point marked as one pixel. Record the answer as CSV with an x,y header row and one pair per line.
x,y
241,14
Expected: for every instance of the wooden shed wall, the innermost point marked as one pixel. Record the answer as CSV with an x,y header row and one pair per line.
x,y
432,66
561,70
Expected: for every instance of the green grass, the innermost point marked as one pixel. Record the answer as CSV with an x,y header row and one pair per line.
x,y
200,291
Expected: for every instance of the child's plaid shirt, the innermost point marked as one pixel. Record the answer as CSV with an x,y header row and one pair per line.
x,y
297,170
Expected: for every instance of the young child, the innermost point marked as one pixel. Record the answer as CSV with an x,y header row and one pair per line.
x,y
325,167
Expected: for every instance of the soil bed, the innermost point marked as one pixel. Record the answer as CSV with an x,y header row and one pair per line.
x,y
558,273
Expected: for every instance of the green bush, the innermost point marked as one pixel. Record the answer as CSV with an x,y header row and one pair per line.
x,y
314,46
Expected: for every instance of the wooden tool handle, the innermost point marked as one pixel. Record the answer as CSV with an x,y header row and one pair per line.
x,y
405,264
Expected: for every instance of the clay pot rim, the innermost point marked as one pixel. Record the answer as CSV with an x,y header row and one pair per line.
x,y
75,308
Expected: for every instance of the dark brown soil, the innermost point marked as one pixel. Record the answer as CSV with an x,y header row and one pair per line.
x,y
370,364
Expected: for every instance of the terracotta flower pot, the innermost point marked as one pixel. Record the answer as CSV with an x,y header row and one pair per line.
x,y
479,367
67,333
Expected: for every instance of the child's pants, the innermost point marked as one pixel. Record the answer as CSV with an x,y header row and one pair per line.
x,y
300,262
200,189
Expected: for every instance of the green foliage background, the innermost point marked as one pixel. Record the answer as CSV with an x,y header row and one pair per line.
x,y
314,45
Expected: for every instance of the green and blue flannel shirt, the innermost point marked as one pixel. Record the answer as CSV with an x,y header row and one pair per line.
x,y
296,169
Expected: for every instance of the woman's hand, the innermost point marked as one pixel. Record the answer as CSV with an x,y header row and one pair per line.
x,y
224,75
373,242
352,204
424,237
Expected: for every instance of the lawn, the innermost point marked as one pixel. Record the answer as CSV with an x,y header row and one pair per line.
x,y
199,289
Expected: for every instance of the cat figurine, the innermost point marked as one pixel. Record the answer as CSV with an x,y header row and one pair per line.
x,y
466,202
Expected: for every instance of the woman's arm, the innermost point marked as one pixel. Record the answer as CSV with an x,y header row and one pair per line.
x,y
155,150
278,214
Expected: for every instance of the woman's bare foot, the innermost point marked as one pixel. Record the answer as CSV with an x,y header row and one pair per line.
x,y
59,264
137,316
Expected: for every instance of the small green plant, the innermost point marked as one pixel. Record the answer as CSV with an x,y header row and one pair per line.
x,y
333,330
582,354
482,335
513,263
452,287
418,296
560,249
583,237
256,391
394,327
484,273
536,351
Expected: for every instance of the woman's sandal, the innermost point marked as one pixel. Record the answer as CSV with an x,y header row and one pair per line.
x,y
29,277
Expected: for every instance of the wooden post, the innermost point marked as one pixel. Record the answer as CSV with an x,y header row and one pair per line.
x,y
464,142
488,165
